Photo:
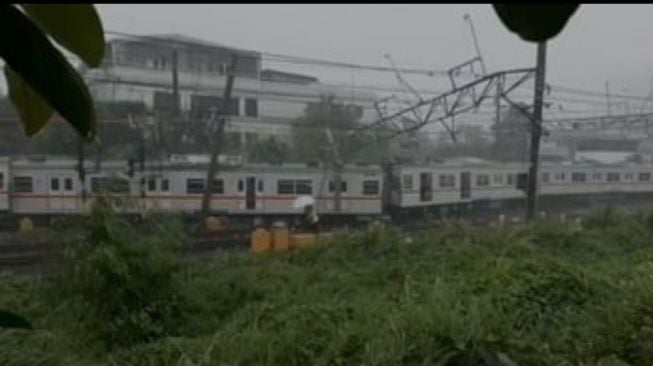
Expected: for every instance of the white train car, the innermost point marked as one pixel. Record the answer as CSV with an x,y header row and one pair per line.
x,y
4,184
52,186
453,183
266,189
564,179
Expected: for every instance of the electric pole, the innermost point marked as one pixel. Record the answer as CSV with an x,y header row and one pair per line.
x,y
337,162
536,130
175,84
217,138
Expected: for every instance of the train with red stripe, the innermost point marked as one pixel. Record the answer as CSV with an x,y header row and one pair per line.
x,y
49,185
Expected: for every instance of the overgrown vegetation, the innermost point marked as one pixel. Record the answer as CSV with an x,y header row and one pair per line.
x,y
546,293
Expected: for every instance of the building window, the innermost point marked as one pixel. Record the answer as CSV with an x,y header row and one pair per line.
x,y
68,184
343,186
151,185
54,184
644,177
23,184
545,177
194,186
407,181
613,177
251,107
217,186
578,177
165,185
482,180
447,180
370,187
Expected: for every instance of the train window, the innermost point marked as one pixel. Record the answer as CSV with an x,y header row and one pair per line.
x,y
498,179
194,186
447,180
545,177
241,185
97,184
23,184
303,187
578,177
511,178
560,176
165,185
285,186
482,180
68,184
613,177
407,181
2,180
260,186
54,184
628,176
119,186
644,177
370,187
151,185
343,186
217,186
597,176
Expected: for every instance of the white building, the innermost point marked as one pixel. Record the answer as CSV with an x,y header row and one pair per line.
x,y
264,101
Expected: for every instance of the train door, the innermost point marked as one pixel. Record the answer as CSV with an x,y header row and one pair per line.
x,y
250,193
465,185
425,187
61,193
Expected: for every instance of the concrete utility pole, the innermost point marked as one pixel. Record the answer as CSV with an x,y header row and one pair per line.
x,y
175,84
217,138
80,166
536,130
338,165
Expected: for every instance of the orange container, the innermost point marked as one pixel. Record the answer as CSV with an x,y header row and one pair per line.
x,y
280,237
303,240
260,241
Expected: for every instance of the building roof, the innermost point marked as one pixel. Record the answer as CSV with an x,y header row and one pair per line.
x,y
181,39
276,75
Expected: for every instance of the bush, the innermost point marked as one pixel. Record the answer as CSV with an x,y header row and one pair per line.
x,y
119,277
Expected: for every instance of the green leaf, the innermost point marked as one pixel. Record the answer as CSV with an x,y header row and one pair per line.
x,y
535,22
11,320
30,54
77,27
33,110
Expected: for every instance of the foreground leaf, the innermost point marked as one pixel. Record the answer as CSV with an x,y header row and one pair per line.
x,y
535,22
77,27
34,58
11,320
33,110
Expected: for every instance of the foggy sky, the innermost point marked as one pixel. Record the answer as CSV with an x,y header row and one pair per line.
x,y
601,42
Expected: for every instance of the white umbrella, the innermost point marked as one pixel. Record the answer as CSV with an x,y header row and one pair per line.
x,y
303,201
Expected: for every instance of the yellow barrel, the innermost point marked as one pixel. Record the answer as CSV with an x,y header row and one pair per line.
x,y
280,236
25,226
260,241
303,240
214,225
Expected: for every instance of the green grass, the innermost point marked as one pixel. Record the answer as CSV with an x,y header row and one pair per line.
x,y
543,294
